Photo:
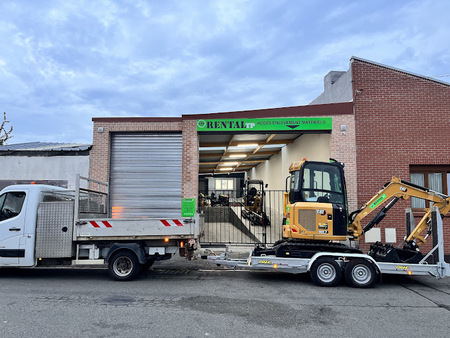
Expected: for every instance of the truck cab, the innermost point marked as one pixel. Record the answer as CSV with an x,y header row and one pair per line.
x,y
18,204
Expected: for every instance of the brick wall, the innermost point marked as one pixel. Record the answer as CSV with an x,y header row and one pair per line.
x,y
343,149
100,153
400,119
190,159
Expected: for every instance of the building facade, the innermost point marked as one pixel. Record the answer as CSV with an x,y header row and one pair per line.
x,y
43,163
380,121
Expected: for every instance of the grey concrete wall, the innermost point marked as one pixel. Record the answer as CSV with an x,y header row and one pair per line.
x,y
337,88
44,168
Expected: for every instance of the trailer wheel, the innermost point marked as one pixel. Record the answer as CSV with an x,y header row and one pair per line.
x,y
360,273
326,272
123,266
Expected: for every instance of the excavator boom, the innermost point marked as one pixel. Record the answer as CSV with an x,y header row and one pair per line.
x,y
395,190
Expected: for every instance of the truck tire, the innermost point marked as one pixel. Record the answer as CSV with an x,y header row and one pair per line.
x,y
123,266
326,272
360,273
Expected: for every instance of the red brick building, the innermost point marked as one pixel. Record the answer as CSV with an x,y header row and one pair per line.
x,y
402,125
378,120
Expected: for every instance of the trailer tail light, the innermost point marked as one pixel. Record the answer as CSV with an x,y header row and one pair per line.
x,y
166,239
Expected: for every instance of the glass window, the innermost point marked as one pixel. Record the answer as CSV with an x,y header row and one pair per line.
x,y
435,182
226,184
434,177
418,179
295,177
11,204
448,183
322,183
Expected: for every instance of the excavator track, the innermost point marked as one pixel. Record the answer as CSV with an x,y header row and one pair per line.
x,y
303,248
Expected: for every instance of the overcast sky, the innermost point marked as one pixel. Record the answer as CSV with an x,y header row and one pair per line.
x,y
63,62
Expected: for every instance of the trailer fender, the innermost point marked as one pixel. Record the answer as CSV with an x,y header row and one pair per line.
x,y
343,256
133,247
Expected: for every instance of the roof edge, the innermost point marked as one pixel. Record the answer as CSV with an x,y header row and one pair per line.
x,y
137,119
399,70
343,108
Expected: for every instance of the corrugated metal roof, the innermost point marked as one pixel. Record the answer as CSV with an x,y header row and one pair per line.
x,y
46,146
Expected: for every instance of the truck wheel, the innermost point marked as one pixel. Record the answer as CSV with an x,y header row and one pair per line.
x,y
360,273
123,266
326,272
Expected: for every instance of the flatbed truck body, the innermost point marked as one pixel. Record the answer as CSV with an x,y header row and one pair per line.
x,y
47,225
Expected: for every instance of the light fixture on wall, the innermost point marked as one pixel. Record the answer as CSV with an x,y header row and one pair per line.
x,y
343,129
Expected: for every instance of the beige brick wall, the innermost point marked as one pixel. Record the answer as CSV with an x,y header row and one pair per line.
x,y
100,153
190,159
343,149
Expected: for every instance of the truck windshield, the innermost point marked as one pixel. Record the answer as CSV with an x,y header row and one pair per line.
x,y
320,183
11,204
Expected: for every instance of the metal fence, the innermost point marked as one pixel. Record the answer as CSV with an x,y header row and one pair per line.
x,y
224,224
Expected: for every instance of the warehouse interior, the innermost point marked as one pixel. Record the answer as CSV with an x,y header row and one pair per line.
x,y
228,160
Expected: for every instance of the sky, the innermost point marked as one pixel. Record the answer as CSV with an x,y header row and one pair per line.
x,y
64,62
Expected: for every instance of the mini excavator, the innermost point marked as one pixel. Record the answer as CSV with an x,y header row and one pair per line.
x,y
253,206
316,215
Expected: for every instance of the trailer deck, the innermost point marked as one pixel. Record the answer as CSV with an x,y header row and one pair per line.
x,y
302,265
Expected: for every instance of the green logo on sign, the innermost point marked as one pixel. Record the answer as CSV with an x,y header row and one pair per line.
x,y
378,201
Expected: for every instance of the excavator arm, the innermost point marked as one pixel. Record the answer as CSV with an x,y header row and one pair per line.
x,y
395,190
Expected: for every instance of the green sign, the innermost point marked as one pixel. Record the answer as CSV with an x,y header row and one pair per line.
x,y
281,124
377,201
188,207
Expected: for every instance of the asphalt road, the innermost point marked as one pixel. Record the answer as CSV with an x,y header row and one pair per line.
x,y
193,299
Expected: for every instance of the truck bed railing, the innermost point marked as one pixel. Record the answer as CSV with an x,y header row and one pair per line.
x,y
91,198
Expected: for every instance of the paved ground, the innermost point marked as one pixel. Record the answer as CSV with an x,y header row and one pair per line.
x,y
196,299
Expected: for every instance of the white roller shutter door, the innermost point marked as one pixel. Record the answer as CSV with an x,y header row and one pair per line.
x,y
145,175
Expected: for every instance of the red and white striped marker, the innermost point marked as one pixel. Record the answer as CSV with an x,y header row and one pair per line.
x,y
171,223
100,224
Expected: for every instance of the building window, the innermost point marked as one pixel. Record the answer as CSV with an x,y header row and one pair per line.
x,y
436,178
226,184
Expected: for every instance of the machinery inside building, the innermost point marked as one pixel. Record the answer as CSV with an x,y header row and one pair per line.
x,y
242,178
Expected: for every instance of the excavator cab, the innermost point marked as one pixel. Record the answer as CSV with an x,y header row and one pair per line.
x,y
316,204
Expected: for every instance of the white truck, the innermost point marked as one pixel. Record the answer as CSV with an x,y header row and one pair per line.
x,y
42,225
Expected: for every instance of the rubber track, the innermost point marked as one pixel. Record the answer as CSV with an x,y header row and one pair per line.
x,y
304,249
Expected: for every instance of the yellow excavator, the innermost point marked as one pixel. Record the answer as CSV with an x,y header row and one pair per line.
x,y
316,215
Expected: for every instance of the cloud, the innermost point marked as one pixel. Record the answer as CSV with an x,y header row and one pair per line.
x,y
64,62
